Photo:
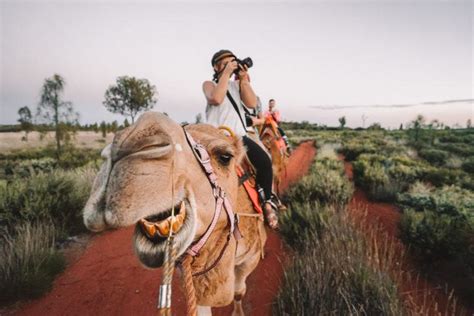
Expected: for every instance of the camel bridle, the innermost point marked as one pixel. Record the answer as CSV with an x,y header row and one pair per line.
x,y
222,201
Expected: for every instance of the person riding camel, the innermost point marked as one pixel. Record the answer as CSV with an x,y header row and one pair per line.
x,y
276,116
226,99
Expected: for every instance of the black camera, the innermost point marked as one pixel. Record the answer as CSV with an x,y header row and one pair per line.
x,y
248,120
246,61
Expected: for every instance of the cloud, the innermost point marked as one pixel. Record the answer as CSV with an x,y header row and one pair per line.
x,y
382,106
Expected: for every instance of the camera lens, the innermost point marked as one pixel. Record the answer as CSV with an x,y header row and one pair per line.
x,y
248,62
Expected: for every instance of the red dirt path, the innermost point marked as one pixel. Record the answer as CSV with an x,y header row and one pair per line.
x,y
108,279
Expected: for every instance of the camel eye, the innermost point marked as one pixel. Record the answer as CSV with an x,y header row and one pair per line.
x,y
224,159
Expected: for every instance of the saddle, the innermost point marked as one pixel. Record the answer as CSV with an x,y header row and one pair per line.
x,y
246,173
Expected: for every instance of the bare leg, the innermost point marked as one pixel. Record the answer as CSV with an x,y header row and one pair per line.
x,y
204,310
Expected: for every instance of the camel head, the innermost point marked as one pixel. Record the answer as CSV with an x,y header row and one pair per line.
x,y
149,170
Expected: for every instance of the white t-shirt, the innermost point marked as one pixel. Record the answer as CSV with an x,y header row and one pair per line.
x,y
224,114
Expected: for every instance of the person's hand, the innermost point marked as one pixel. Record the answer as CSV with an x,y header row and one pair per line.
x,y
255,121
243,74
229,69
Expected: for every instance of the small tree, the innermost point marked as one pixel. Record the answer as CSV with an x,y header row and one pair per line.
x,y
469,123
103,129
25,120
129,96
114,126
401,127
415,129
342,122
126,123
55,111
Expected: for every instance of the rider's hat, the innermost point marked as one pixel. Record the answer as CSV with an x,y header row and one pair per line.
x,y
223,53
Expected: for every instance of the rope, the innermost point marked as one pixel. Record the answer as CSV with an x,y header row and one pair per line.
x,y
164,298
189,291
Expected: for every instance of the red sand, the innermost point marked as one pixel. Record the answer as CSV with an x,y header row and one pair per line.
x,y
108,279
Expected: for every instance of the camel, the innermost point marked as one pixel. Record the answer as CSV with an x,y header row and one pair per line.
x,y
271,139
149,162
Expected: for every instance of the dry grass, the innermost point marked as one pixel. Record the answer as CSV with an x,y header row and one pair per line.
x,y
11,141
28,261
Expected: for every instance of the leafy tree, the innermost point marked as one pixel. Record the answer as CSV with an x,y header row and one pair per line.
x,y
129,96
55,111
342,122
126,123
401,127
25,120
469,123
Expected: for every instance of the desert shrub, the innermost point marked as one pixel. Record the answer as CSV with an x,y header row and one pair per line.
x,y
440,176
325,184
434,156
352,150
383,177
333,273
302,222
461,149
468,165
29,167
73,157
438,222
25,162
28,261
58,196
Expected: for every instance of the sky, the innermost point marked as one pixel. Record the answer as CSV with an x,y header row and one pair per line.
x,y
320,60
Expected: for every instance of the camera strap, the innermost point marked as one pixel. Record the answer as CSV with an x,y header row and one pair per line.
x,y
236,108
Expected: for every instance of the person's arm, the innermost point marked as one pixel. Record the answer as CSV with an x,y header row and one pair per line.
x,y
277,116
215,93
247,95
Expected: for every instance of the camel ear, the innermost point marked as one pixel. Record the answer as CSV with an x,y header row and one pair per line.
x,y
239,149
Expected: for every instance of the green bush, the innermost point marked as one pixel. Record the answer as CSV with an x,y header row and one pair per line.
x,y
59,196
438,222
440,176
434,156
28,261
29,167
325,184
461,149
28,161
468,165
383,177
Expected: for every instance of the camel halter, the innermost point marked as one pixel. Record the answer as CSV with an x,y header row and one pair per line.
x,y
222,201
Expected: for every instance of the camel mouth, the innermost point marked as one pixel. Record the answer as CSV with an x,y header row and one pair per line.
x,y
151,232
158,227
